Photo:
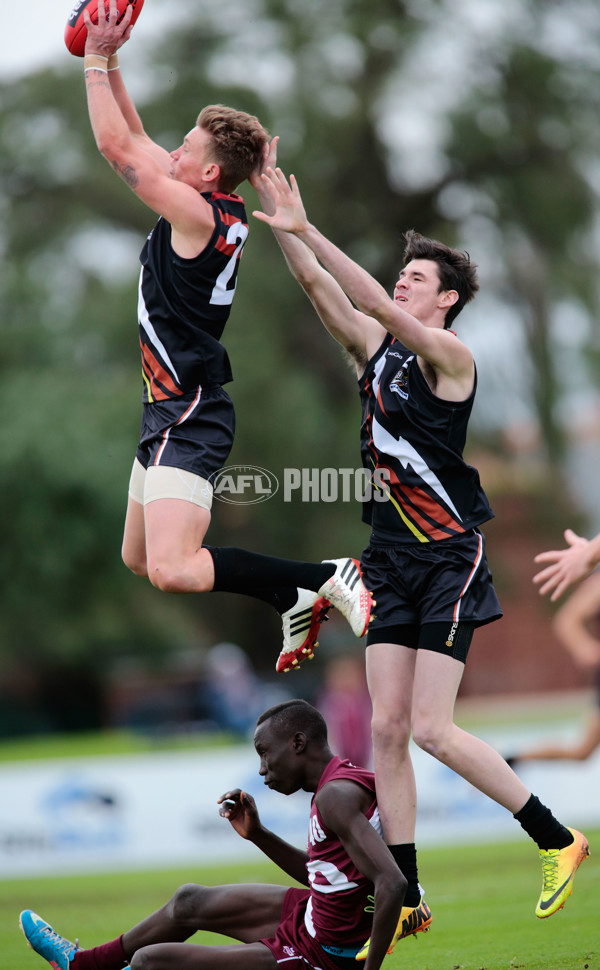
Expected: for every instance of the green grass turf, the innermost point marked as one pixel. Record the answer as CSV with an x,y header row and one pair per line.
x,y
107,743
482,898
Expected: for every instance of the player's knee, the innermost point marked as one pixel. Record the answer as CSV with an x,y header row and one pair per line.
x,y
136,564
186,904
176,575
166,574
430,737
390,732
146,958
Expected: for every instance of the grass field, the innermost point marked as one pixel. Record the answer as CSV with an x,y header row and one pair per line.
x,y
482,898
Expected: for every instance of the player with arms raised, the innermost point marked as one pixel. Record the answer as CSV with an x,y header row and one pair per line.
x,y
425,562
187,285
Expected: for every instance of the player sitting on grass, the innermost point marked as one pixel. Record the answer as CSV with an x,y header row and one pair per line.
x,y
354,886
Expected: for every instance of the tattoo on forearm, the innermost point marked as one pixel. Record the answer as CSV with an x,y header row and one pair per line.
x,y
127,173
97,79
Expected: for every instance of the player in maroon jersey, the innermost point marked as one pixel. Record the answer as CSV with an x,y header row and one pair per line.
x,y
425,563
354,887
187,285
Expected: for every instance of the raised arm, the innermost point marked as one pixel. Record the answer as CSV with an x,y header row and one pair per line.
x,y
567,566
342,806
572,623
358,333
239,808
131,116
439,347
120,137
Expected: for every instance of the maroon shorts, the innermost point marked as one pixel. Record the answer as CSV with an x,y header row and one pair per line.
x,y
293,947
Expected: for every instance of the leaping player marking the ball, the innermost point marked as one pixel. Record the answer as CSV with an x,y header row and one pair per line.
x,y
187,284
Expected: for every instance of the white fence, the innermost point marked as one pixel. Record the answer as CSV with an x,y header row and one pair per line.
x,y
159,810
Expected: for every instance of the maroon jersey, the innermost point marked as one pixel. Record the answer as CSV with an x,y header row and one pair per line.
x,y
340,907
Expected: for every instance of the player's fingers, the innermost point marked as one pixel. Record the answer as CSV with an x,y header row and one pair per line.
x,y
551,556
227,806
545,574
234,794
548,586
572,538
269,177
127,15
262,217
274,175
562,586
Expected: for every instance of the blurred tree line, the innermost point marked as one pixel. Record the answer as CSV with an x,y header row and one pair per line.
x,y
341,82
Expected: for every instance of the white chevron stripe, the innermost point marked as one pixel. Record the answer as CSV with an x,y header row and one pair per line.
x,y
144,321
401,449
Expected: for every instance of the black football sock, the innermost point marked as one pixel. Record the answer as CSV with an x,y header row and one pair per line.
x,y
266,578
281,597
405,857
540,825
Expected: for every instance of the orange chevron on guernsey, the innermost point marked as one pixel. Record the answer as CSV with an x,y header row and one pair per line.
x,y
155,372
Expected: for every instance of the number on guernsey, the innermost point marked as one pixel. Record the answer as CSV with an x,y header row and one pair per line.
x,y
221,296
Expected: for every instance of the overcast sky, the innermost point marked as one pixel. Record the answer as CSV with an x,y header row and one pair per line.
x,y
35,34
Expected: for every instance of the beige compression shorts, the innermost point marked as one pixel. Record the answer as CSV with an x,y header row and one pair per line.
x,y
164,481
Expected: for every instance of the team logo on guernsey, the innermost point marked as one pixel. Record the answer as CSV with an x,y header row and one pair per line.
x,y
400,381
243,484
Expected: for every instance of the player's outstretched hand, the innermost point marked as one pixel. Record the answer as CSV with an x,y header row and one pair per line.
x,y
285,200
107,36
567,566
239,808
268,160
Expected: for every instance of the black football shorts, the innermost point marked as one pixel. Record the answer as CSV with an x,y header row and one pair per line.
x,y
193,432
437,585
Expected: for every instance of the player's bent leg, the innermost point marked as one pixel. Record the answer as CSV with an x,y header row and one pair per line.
x,y
134,534
437,679
190,956
175,531
177,506
245,912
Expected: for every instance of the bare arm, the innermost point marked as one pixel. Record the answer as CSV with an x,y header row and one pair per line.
x,y
120,138
572,623
239,808
438,347
133,120
359,334
567,566
342,805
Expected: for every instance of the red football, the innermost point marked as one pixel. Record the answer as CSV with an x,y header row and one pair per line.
x,y
76,31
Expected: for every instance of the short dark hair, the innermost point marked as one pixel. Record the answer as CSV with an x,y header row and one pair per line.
x,y
238,141
455,269
296,715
